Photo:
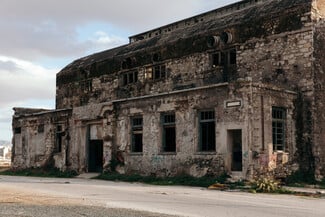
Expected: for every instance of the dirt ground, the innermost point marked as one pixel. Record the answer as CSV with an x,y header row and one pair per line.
x,y
24,204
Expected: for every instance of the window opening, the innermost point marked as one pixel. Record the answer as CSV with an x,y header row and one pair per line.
x,y
130,78
278,128
86,85
137,143
232,57
169,132
224,58
158,72
40,128
18,130
58,142
207,138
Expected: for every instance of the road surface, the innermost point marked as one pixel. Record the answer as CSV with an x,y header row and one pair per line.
x,y
79,197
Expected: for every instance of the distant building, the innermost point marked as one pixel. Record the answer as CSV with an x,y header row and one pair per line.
x,y
239,89
5,156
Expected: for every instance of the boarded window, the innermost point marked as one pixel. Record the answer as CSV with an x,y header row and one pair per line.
x,y
207,135
278,128
137,141
169,132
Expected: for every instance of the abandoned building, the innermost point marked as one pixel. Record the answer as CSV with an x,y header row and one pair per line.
x,y
239,89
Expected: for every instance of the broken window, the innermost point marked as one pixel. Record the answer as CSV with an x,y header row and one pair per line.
x,y
58,139
169,132
130,77
86,85
207,138
278,128
137,124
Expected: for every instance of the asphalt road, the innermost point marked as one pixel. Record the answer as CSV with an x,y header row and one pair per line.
x,y
84,197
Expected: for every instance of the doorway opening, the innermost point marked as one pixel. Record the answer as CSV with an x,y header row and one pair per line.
x,y
235,148
95,156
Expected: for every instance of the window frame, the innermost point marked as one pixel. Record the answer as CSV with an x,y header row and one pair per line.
x,y
167,125
206,122
86,85
130,77
59,133
224,58
136,129
279,117
158,72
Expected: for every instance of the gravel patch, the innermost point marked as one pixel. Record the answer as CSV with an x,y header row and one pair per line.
x,y
23,210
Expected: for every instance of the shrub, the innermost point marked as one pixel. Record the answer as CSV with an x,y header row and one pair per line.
x,y
267,185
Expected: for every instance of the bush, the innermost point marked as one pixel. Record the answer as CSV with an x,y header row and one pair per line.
x,y
266,185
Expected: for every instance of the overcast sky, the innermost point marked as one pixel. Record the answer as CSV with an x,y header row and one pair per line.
x,y
39,37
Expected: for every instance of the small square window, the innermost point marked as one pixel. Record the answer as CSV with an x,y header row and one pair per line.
x,y
18,130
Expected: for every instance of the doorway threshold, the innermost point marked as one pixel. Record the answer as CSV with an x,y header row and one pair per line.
x,y
88,175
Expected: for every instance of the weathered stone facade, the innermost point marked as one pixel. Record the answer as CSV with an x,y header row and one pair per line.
x,y
237,90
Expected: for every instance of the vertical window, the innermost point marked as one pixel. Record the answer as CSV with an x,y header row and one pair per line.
x,y
158,72
232,57
58,139
137,124
130,77
169,133
40,128
278,128
207,138
224,58
86,85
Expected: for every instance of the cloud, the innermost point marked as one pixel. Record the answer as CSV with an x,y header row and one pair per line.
x,y
34,29
22,80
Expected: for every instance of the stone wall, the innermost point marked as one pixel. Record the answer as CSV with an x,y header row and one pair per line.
x,y
319,100
186,105
34,139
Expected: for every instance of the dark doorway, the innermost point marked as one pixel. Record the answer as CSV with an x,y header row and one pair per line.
x,y
235,142
95,156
